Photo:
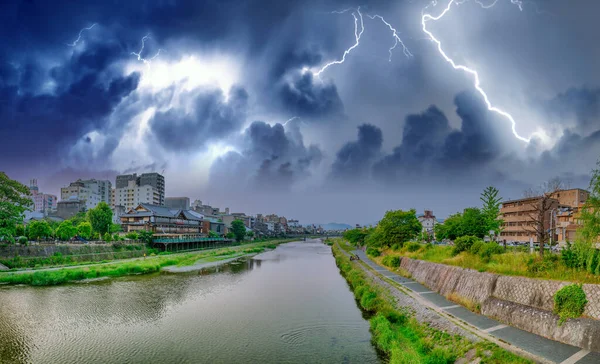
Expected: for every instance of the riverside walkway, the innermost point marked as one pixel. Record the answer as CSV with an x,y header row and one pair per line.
x,y
548,350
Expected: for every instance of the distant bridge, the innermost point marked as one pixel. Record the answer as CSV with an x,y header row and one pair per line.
x,y
189,242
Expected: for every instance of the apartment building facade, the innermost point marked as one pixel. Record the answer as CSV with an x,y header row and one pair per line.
x,y
154,180
42,202
133,195
179,203
519,219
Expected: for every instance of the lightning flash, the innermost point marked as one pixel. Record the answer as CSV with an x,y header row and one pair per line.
x,y
291,119
425,18
79,36
139,54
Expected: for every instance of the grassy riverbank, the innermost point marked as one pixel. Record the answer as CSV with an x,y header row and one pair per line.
x,y
398,334
512,263
117,269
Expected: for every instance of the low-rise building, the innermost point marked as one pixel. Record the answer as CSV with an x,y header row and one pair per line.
x,y
214,224
161,220
69,208
428,222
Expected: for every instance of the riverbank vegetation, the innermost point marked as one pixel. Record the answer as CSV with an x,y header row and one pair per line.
x,y
141,266
400,336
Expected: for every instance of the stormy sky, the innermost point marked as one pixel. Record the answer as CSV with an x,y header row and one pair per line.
x,y
235,102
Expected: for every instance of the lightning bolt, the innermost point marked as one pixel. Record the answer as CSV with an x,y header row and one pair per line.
x,y
357,34
139,54
294,118
397,39
80,33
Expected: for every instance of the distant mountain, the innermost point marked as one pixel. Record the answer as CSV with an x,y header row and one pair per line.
x,y
335,226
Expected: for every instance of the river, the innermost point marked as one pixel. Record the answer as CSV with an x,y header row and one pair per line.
x,y
289,305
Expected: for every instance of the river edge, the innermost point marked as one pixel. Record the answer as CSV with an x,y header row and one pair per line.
x,y
400,331
136,267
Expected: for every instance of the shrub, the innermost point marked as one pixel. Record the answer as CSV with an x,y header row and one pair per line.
x,y
373,252
488,249
23,240
464,243
132,235
592,261
568,256
537,265
391,261
413,247
396,247
107,238
569,302
476,247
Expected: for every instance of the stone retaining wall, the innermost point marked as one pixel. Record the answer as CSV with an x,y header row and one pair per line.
x,y
525,303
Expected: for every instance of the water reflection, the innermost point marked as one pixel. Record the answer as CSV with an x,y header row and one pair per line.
x,y
288,305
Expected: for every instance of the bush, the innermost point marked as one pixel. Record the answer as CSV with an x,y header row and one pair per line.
x,y
569,256
413,247
569,302
538,265
23,240
107,238
391,261
132,235
488,249
396,247
373,252
464,243
476,247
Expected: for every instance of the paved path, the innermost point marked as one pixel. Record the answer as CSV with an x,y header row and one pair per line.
x,y
552,351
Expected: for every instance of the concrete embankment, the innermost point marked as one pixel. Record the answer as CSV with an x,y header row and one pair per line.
x,y
525,303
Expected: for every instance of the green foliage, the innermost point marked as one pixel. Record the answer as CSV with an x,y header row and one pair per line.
x,y
20,230
238,229
491,208
101,218
23,240
132,235
464,243
398,227
250,234
569,302
79,218
374,252
66,231
14,201
545,264
391,261
488,249
471,222
590,213
115,228
84,229
476,247
413,247
569,256
107,237
212,234
146,236
356,236
39,229
230,235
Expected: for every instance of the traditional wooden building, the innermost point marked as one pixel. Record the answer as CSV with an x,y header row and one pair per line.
x,y
162,220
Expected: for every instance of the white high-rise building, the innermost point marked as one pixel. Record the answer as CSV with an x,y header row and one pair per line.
x,y
92,191
132,195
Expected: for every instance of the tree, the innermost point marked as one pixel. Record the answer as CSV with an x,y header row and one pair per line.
x,y
473,223
101,218
398,227
450,229
79,218
14,201
541,206
590,213
250,234
115,228
107,237
491,208
238,229
146,236
39,229
356,236
230,235
84,229
66,230
212,234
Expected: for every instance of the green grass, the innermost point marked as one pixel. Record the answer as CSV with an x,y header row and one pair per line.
x,y
146,266
512,263
399,335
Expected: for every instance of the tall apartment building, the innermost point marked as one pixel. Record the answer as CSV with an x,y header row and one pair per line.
x,y
518,215
155,180
132,195
91,191
42,202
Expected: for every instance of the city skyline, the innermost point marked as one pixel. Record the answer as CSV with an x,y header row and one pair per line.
x,y
314,111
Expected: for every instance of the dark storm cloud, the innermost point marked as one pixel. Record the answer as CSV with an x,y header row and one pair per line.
x,y
212,117
304,97
579,104
269,158
354,159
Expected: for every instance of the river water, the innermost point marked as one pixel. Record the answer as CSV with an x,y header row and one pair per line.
x,y
289,305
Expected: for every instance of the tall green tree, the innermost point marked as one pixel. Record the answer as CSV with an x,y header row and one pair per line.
x,y
473,223
14,201
101,218
39,229
66,230
84,229
491,208
398,227
450,229
239,229
590,213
